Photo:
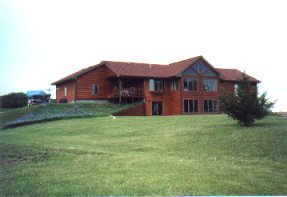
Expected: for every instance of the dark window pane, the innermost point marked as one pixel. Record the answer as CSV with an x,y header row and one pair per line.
x,y
210,108
190,105
185,106
189,72
208,72
190,85
196,67
203,67
185,85
205,106
159,108
195,106
95,89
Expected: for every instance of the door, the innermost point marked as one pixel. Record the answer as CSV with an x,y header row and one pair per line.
x,y
157,108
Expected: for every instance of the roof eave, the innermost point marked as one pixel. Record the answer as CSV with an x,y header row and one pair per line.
x,y
63,81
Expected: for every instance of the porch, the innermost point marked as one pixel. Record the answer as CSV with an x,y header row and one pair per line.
x,y
127,90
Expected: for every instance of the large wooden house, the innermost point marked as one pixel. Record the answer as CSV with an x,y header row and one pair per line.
x,y
186,87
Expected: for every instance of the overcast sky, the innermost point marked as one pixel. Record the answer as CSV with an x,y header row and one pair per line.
x,y
43,41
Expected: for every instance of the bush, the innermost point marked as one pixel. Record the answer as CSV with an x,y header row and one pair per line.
x,y
14,100
63,100
245,105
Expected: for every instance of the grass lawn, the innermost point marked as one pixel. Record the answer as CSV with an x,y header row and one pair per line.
x,y
173,155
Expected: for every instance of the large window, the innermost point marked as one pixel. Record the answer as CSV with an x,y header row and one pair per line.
x,y
156,85
210,85
190,84
173,85
95,89
210,106
190,106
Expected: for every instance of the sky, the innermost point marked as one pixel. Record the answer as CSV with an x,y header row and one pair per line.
x,y
43,41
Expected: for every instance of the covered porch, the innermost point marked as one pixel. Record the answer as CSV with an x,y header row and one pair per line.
x,y
127,90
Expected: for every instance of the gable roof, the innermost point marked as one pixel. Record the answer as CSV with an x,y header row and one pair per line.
x,y
234,75
76,74
131,69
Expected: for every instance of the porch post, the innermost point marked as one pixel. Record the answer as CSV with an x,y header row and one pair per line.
x,y
120,90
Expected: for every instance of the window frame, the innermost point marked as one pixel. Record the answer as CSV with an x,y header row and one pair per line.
x,y
206,82
94,93
156,85
187,81
193,102
65,91
174,85
210,106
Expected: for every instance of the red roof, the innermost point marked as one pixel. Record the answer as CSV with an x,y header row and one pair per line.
x,y
154,70
234,75
136,69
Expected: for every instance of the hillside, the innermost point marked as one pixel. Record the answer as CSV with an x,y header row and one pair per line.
x,y
49,112
175,155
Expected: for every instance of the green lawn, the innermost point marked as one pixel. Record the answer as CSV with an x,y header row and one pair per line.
x,y
172,155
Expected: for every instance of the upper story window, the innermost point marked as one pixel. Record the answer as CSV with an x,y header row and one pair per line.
x,y
156,85
210,85
65,91
95,89
200,68
173,85
190,84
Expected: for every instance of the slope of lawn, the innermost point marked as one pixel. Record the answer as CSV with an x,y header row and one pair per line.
x,y
48,112
175,155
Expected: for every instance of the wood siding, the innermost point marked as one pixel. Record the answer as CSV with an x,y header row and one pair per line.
x,y
60,91
138,111
226,86
200,95
100,76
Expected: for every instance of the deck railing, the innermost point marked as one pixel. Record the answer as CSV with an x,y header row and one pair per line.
x,y
128,92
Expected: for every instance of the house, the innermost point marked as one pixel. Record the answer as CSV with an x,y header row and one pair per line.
x,y
190,86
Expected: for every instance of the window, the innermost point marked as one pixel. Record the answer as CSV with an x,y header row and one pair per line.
x,y
65,91
190,106
236,87
157,108
95,89
190,84
208,72
210,106
173,85
210,85
156,85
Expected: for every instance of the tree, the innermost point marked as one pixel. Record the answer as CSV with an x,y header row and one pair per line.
x,y
13,100
245,105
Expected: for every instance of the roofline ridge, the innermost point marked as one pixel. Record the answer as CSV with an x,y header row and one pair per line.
x,y
200,56
125,62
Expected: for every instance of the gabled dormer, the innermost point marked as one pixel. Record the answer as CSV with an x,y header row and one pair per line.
x,y
201,67
200,76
